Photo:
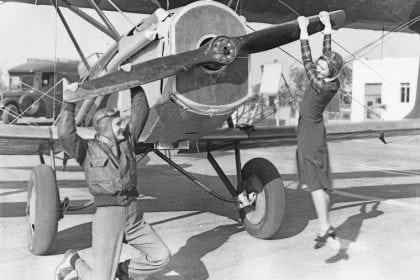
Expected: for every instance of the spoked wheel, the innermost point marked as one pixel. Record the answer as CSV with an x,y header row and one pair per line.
x,y
42,210
264,218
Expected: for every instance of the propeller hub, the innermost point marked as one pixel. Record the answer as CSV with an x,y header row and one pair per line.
x,y
224,50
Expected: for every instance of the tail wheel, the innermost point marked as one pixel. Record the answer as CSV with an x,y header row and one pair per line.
x,y
9,113
264,218
42,210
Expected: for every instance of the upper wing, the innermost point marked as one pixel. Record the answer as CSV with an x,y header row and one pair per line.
x,y
32,140
138,6
366,14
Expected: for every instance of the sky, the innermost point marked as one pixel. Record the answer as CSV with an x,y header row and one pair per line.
x,y
28,31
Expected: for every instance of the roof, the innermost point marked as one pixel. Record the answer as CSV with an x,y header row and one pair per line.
x,y
46,65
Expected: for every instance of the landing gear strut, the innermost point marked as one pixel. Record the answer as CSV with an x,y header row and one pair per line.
x,y
259,194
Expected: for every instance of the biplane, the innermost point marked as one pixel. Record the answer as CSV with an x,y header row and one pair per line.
x,y
192,59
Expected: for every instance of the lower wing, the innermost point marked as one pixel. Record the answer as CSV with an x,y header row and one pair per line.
x,y
29,140
33,140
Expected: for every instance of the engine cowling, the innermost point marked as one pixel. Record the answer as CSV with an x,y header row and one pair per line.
x,y
200,99
208,89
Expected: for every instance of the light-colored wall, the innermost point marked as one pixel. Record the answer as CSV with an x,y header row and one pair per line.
x,y
391,72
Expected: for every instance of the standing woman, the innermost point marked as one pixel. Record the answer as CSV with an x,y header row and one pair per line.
x,y
312,150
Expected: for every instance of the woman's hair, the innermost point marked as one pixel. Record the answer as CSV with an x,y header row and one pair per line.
x,y
334,61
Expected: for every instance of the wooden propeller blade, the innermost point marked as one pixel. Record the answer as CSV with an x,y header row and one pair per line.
x,y
284,33
139,74
221,50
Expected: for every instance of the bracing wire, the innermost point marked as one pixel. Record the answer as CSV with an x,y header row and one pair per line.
x,y
55,59
287,85
395,29
43,94
280,48
288,6
294,96
237,6
38,99
123,14
382,39
409,23
369,67
16,115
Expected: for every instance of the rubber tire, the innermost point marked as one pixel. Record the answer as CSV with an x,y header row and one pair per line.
x,y
261,176
27,100
42,228
6,117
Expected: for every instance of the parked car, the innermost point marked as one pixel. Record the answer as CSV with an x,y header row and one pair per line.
x,y
35,89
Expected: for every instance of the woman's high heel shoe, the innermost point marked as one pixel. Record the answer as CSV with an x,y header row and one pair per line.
x,y
322,240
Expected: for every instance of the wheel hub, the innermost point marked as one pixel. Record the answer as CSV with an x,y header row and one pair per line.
x,y
255,214
224,50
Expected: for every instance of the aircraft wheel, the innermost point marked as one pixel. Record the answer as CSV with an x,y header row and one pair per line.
x,y
42,210
264,218
6,116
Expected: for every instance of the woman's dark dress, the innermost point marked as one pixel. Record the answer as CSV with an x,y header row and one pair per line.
x,y
312,150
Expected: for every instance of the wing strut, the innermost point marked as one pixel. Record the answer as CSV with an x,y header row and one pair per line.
x,y
108,31
73,39
194,179
105,20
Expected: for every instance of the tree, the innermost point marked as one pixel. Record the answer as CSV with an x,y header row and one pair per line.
x,y
2,83
299,81
346,80
346,76
256,88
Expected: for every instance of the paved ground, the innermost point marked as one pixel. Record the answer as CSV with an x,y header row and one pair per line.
x,y
376,211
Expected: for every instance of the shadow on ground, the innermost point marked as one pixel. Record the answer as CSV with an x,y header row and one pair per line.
x,y
349,230
187,261
173,192
78,237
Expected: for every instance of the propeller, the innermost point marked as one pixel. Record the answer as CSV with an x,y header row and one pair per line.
x,y
220,51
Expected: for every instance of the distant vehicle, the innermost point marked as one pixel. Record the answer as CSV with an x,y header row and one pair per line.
x,y
31,88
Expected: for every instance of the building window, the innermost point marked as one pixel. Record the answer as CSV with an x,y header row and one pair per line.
x,y
405,92
46,78
271,100
373,100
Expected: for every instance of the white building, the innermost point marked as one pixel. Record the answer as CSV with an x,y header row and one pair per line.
x,y
387,86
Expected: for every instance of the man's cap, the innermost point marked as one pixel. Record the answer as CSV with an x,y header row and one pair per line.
x,y
102,120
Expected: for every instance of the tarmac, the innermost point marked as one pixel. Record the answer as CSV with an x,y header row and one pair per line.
x,y
376,211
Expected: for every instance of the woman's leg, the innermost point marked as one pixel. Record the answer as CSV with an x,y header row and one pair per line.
x,y
321,202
